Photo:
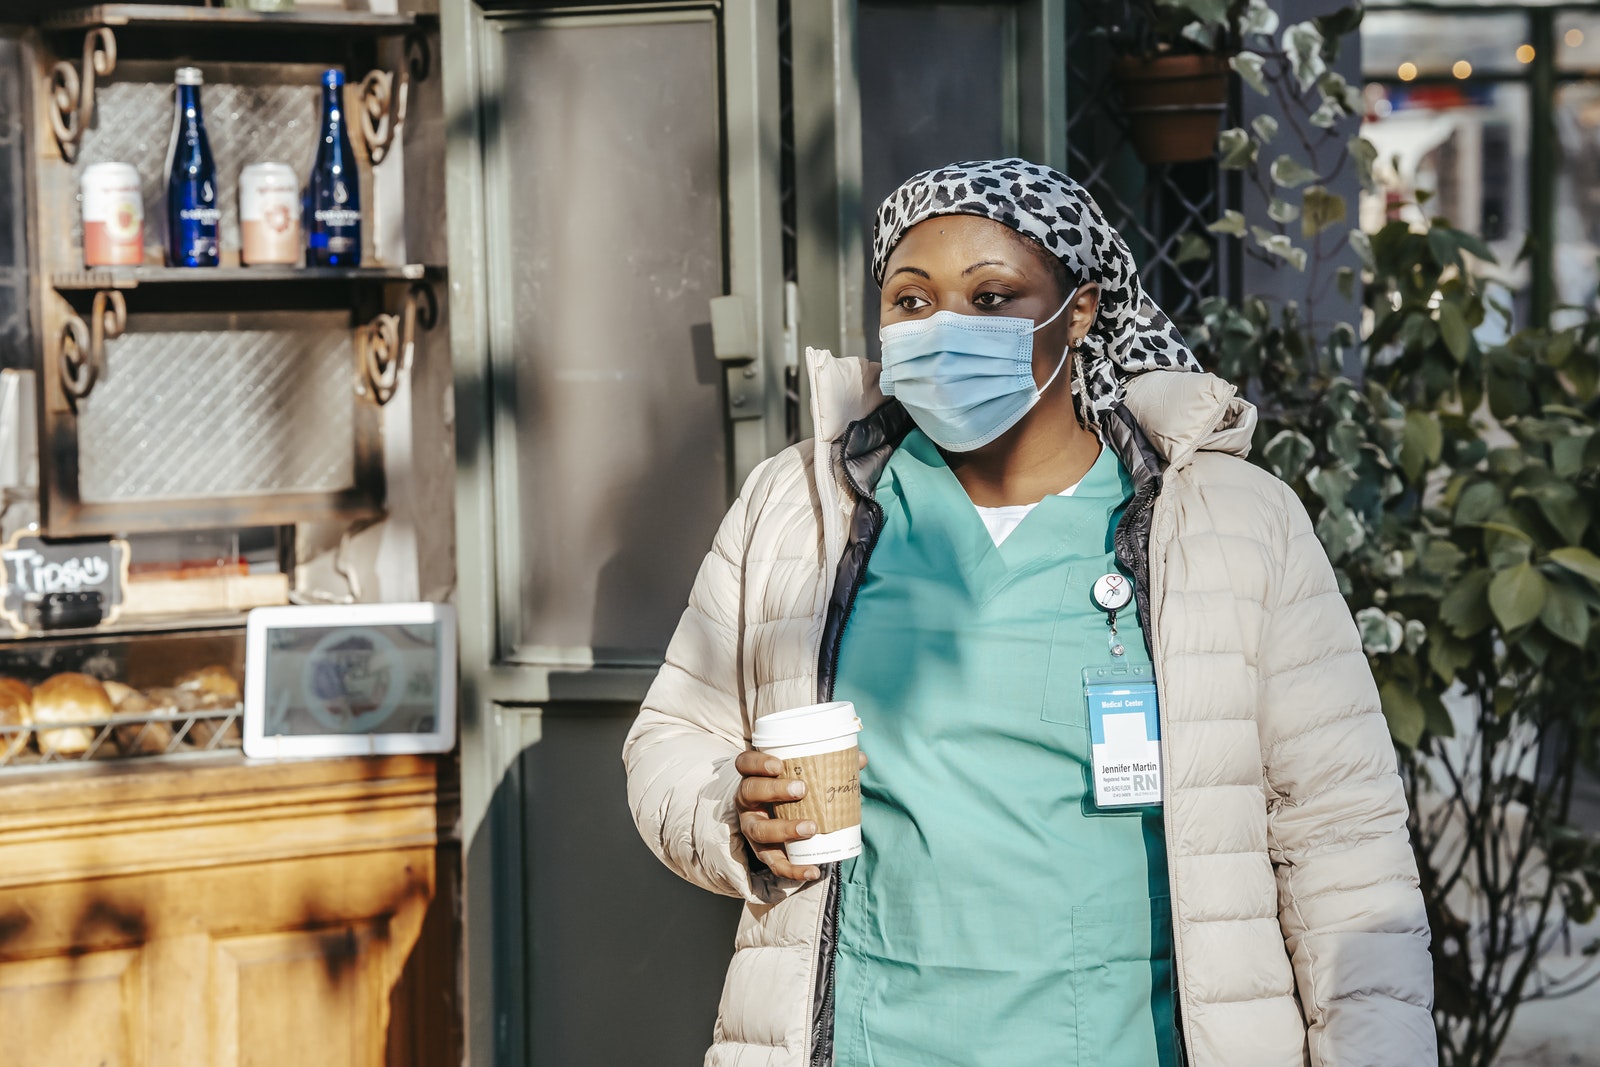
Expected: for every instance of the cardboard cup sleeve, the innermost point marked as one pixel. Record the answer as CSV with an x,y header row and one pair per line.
x,y
833,789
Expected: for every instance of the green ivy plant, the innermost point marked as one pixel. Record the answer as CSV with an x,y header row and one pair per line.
x,y
1151,28
1455,484
1456,488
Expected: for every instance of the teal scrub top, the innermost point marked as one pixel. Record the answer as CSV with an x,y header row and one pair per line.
x,y
995,918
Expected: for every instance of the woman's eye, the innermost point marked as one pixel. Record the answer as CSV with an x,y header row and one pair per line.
x,y
911,302
989,300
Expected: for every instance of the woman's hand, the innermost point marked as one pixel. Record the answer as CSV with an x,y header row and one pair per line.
x,y
759,790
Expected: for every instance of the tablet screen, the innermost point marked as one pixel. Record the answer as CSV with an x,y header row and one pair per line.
x,y
351,680
325,680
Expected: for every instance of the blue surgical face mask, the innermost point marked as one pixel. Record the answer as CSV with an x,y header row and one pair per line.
x,y
964,379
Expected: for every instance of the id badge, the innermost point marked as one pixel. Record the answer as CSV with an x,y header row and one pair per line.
x,y
1125,735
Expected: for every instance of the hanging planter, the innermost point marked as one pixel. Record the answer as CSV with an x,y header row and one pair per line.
x,y
1174,104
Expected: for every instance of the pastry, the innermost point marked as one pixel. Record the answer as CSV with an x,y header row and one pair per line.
x,y
212,688
20,690
16,709
213,681
69,698
137,738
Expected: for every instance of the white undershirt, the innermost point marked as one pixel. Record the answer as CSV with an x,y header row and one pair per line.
x,y
1002,521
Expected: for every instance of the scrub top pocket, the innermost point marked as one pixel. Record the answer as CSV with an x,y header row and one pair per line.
x,y
1124,982
1072,646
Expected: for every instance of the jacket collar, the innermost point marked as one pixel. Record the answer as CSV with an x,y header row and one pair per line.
x,y
1166,418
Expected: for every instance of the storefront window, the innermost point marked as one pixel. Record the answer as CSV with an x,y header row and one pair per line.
x,y
1577,206
1411,44
1456,110
1577,41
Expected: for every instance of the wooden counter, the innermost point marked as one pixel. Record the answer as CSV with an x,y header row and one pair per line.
x,y
222,913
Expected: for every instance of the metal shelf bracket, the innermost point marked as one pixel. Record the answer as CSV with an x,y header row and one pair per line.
x,y
72,95
82,346
383,99
385,346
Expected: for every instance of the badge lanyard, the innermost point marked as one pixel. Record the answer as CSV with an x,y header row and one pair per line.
x,y
1113,592
1124,723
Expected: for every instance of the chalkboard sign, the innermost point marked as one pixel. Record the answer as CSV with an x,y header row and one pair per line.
x,y
43,579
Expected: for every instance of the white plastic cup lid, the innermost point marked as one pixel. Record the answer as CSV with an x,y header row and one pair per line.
x,y
807,725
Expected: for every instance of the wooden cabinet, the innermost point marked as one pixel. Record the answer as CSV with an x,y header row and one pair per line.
x,y
223,914
196,398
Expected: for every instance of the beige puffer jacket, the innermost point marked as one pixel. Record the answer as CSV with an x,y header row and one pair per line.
x,y
1300,931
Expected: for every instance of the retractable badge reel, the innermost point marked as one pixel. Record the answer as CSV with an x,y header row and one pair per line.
x,y
1124,722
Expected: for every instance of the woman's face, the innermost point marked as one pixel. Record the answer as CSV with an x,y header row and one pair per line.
x,y
975,266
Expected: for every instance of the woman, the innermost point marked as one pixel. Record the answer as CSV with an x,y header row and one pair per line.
x,y
950,554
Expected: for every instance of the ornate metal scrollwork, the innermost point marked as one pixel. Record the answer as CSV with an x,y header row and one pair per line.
x,y
419,60
384,95
383,109
386,345
83,345
72,95
77,366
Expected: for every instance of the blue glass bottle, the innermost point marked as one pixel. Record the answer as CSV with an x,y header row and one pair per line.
x,y
333,195
192,214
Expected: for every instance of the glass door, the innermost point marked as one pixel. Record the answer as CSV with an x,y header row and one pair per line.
x,y
610,179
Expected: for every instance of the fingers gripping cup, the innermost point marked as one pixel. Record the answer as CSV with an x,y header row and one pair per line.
x,y
817,745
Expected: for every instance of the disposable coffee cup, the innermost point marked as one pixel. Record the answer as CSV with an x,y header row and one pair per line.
x,y
817,744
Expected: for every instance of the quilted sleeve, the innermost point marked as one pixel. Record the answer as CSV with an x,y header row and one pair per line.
x,y
679,754
1349,903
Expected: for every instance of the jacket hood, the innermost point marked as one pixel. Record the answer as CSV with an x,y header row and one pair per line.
x,y
1180,412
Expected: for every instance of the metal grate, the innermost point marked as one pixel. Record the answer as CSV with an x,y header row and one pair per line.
x,y
1153,207
266,407
120,737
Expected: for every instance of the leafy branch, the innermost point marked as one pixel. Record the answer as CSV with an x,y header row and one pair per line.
x,y
1456,488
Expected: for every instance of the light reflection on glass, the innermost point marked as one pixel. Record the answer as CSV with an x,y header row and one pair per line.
x,y
1577,208
1461,148
1431,44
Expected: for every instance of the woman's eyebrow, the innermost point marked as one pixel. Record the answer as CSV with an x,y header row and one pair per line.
x,y
918,271
984,263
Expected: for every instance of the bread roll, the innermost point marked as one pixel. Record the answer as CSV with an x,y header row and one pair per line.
x,y
19,690
137,738
214,689
215,682
118,693
16,709
69,698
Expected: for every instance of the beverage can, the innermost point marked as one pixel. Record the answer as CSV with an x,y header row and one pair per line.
x,y
269,214
113,215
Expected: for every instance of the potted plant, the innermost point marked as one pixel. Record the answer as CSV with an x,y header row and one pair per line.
x,y
1172,69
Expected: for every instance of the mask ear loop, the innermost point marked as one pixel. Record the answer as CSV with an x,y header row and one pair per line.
x,y
1056,316
1066,355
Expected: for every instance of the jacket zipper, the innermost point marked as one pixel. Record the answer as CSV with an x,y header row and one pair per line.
x,y
824,1015
821,1042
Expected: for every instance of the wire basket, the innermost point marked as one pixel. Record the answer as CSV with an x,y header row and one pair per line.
x,y
137,736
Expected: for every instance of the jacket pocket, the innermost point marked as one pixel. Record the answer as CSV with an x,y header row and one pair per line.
x,y
1122,982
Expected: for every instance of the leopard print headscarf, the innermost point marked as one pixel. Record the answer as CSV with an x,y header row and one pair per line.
x,y
1130,335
